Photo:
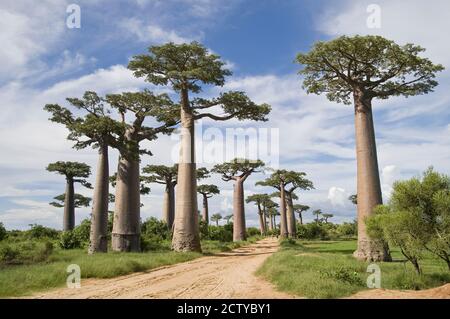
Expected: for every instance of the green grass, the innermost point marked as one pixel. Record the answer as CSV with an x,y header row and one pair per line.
x,y
20,280
316,269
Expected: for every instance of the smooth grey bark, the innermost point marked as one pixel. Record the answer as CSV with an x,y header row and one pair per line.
x,y
69,205
368,179
169,205
99,218
205,211
261,220
264,221
271,222
126,225
290,216
300,217
238,210
186,236
283,218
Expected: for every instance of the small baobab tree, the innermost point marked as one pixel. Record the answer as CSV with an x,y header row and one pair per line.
x,y
74,172
326,217
216,218
366,68
167,176
228,218
260,200
238,170
317,213
300,209
186,67
207,191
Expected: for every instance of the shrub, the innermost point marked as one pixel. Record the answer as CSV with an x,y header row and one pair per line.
x,y
3,232
82,231
8,255
153,227
69,240
346,275
253,231
39,231
313,231
347,229
25,253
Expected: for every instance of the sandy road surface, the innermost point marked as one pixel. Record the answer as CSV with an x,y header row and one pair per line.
x,y
225,275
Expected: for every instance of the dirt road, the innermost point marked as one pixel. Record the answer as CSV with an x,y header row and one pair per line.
x,y
225,275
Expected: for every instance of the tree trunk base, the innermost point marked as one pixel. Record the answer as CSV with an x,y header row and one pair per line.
x,y
372,251
185,243
100,246
126,242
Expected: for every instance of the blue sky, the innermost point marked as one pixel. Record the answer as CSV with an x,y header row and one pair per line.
x,y
45,62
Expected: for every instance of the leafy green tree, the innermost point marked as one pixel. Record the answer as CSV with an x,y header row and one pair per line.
x,y
286,182
134,109
260,200
3,232
74,172
207,191
216,218
95,128
238,170
317,213
79,201
300,209
228,218
186,68
364,68
167,176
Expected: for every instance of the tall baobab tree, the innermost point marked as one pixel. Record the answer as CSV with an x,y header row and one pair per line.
x,y
366,68
186,67
207,191
138,107
286,182
216,218
74,172
97,129
260,200
300,209
238,170
167,176
269,206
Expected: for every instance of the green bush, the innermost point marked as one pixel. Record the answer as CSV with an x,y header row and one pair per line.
x,y
313,231
82,231
25,253
70,240
345,275
3,232
347,230
253,231
153,227
39,232
220,233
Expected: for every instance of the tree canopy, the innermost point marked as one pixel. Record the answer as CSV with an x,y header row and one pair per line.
x,y
78,172
291,180
238,168
208,190
79,201
373,64
160,174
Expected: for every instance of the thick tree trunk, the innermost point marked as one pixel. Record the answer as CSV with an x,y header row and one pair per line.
x,y
368,179
169,205
261,220
283,222
69,206
275,222
270,222
292,228
264,221
300,217
205,213
99,218
126,226
186,235
238,211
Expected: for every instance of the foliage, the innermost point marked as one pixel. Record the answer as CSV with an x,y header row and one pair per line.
x,y
79,201
220,233
312,231
216,218
238,168
3,232
375,65
69,240
253,231
28,252
72,170
153,233
39,232
208,190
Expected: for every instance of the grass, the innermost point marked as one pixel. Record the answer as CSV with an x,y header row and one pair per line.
x,y
316,269
20,280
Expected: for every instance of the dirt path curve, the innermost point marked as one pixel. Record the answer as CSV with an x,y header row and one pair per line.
x,y
225,275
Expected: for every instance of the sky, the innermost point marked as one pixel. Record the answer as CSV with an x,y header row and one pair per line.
x,y
45,61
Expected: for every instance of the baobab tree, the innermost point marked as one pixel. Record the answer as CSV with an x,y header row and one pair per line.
x,y
300,209
167,176
136,107
186,67
96,128
286,182
238,170
317,213
326,217
216,218
74,172
207,191
366,68
228,218
353,199
79,201
260,200
270,206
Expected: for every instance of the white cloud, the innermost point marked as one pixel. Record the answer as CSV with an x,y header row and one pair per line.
x,y
338,196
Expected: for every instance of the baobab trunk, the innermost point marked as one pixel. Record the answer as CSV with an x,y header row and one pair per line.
x,y
300,217
205,213
271,222
261,220
283,218
290,216
126,225
169,205
186,235
69,206
368,179
264,221
238,210
99,219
